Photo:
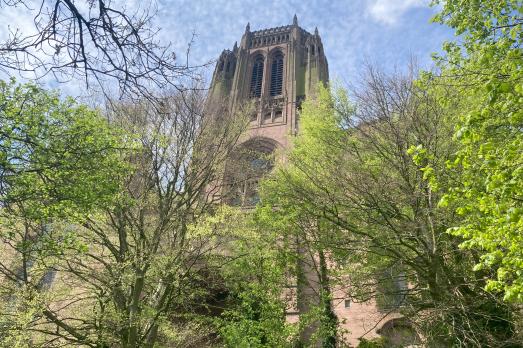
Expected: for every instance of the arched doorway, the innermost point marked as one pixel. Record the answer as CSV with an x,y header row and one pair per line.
x,y
399,333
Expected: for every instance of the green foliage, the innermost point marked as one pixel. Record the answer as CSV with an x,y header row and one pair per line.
x,y
27,305
373,343
57,158
139,261
60,163
288,211
254,278
350,191
489,191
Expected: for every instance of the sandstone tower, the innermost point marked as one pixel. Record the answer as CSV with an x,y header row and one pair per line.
x,y
276,69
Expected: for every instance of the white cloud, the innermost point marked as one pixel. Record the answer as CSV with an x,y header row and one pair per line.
x,y
390,11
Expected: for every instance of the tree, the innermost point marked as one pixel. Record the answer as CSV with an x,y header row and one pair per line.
x,y
97,41
59,162
303,242
362,201
144,273
254,276
487,69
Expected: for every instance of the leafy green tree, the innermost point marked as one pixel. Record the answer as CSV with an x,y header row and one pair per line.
x,y
106,209
351,192
59,163
306,236
487,69
254,277
57,157
144,278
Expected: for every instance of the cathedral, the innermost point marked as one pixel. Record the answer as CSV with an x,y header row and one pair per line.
x,y
275,69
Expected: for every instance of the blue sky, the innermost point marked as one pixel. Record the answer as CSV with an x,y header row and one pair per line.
x,y
385,32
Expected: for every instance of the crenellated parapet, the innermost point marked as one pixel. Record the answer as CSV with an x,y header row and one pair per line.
x,y
268,37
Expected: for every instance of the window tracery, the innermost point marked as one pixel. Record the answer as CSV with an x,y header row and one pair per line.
x,y
276,74
257,77
247,166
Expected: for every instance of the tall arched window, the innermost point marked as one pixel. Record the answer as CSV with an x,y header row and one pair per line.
x,y
276,74
249,163
257,77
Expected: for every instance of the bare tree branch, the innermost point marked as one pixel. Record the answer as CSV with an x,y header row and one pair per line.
x,y
100,42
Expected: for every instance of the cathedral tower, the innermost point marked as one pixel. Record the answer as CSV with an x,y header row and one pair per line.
x,y
275,68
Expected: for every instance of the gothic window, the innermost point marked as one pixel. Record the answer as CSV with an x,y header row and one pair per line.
x,y
249,163
220,66
257,77
277,74
228,67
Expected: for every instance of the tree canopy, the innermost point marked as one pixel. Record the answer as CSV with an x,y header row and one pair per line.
x,y
487,70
